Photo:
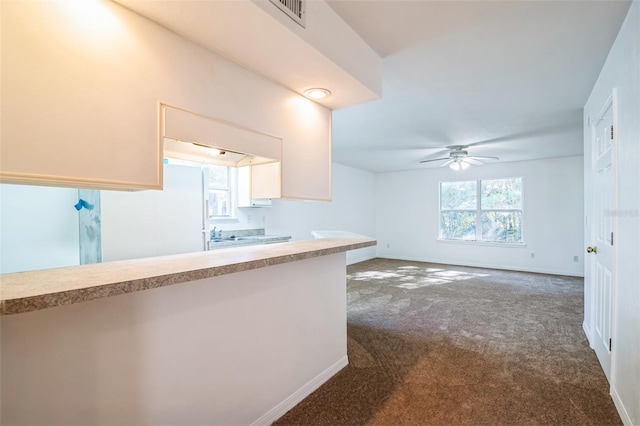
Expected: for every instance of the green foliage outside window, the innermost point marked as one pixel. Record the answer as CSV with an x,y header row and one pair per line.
x,y
489,210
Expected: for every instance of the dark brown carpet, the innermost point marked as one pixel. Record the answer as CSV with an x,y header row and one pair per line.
x,y
438,344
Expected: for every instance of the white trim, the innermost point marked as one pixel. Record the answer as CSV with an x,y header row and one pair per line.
x,y
614,258
294,399
359,259
224,220
478,211
587,333
617,401
484,265
483,243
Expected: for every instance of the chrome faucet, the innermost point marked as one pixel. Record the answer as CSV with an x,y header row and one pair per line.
x,y
213,233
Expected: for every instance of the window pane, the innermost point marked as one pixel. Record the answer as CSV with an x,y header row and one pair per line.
x,y
218,176
458,195
501,194
505,227
458,225
219,203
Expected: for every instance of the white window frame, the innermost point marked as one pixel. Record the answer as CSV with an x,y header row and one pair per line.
x,y
478,214
232,188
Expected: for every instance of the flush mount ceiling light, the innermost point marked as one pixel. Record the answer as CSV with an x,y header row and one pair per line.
x,y
317,93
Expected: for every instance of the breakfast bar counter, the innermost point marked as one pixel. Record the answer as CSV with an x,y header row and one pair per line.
x,y
232,336
28,291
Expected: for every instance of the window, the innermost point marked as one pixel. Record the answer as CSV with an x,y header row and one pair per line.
x,y
220,197
482,210
218,190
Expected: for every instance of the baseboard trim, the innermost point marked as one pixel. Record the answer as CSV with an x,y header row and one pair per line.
x,y
483,265
359,259
617,401
294,399
361,255
587,333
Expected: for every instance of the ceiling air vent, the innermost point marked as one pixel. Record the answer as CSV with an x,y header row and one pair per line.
x,y
295,9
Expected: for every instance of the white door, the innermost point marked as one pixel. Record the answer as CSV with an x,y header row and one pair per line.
x,y
601,248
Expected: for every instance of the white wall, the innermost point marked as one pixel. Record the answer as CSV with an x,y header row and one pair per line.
x,y
622,71
155,223
228,350
38,228
352,208
407,205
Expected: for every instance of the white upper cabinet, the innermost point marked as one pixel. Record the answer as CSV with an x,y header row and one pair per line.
x,y
266,181
83,83
257,185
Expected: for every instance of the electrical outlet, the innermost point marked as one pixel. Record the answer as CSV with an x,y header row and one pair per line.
x,y
248,218
576,258
387,245
533,255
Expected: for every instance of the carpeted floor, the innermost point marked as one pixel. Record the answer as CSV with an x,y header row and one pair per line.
x,y
448,345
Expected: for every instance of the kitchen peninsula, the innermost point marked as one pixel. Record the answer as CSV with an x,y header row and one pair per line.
x,y
232,336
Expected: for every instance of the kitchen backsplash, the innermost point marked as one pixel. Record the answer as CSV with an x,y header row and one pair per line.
x,y
236,232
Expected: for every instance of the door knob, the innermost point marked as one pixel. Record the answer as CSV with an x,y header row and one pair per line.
x,y
592,249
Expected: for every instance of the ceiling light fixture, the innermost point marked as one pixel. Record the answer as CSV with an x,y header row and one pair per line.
x,y
459,164
317,93
210,150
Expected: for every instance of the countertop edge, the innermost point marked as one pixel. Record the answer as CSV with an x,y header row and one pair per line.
x,y
198,266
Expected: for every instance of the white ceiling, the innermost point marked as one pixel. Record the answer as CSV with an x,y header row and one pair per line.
x,y
509,78
258,36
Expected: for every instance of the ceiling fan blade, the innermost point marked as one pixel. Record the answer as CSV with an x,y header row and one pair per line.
x,y
473,161
435,159
483,157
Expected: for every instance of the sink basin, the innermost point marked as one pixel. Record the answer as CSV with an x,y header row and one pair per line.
x,y
245,240
219,240
255,237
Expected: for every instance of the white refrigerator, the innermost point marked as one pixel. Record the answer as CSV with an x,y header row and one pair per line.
x,y
156,223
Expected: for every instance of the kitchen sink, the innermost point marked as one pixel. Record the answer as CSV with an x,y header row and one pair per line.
x,y
250,237
246,240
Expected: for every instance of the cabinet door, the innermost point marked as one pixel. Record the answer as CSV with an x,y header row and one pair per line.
x,y
258,183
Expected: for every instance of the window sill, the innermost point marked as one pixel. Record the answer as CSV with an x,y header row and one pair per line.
x,y
224,220
482,243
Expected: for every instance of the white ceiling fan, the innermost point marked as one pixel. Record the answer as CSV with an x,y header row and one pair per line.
x,y
459,158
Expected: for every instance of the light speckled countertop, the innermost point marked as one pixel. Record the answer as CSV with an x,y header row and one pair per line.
x,y
30,291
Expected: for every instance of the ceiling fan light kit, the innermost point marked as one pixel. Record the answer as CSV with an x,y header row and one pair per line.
x,y
459,158
459,164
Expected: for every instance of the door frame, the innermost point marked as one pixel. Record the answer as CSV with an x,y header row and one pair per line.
x,y
590,225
